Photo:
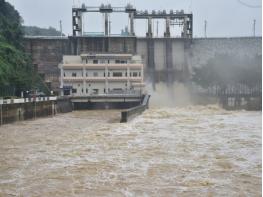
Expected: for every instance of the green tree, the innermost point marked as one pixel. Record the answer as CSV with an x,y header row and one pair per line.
x,y
16,69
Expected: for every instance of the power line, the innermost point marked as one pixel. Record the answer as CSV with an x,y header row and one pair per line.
x,y
248,5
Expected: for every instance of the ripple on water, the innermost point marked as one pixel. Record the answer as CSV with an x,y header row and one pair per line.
x,y
191,151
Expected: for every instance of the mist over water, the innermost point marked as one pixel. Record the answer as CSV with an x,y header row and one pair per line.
x,y
174,95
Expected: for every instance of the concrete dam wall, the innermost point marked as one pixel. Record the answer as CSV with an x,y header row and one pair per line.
x,y
202,50
165,59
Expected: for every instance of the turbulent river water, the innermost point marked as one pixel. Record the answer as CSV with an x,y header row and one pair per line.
x,y
188,151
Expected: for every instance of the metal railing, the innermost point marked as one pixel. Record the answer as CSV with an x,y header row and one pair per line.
x,y
26,100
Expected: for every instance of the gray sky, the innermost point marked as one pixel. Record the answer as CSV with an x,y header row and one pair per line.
x,y
224,17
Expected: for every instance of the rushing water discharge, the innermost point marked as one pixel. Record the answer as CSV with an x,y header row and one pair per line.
x,y
188,151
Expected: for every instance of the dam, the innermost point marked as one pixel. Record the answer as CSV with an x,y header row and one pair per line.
x,y
187,141
183,56
166,58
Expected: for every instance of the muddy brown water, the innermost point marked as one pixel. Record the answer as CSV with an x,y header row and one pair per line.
x,y
190,151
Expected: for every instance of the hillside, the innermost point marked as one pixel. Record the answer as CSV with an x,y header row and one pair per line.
x,y
37,31
16,70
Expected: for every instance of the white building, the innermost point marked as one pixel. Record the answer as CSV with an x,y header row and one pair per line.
x,y
100,74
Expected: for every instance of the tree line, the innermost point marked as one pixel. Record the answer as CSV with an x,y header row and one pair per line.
x,y
17,72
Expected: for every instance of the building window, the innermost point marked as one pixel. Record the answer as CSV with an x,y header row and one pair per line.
x,y
64,74
74,74
95,61
95,74
134,74
125,74
118,90
139,74
87,90
117,74
104,74
108,74
86,74
82,90
108,61
74,90
95,91
121,61
66,92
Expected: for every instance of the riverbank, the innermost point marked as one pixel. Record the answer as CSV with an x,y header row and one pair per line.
x,y
12,110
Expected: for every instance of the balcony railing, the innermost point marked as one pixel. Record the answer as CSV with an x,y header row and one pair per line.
x,y
102,66
102,78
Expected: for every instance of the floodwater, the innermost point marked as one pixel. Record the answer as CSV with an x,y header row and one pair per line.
x,y
188,151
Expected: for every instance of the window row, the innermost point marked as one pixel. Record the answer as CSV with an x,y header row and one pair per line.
x,y
114,74
93,91
95,61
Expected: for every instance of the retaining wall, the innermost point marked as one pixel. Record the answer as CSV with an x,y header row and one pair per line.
x,y
126,115
12,110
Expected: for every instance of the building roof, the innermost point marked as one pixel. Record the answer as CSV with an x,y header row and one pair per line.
x,y
106,55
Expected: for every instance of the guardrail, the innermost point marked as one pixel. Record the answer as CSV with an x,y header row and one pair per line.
x,y
27,100
129,113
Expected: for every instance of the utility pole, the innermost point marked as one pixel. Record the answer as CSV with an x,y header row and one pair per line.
x,y
60,25
1,113
205,28
109,26
254,28
157,28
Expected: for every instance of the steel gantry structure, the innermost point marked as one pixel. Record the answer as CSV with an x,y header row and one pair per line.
x,y
171,18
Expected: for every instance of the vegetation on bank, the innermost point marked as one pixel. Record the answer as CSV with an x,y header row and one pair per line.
x,y
37,31
16,70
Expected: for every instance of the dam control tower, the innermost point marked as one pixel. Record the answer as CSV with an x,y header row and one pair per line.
x,y
171,18
164,57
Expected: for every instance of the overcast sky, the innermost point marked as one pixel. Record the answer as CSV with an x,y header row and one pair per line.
x,y
224,17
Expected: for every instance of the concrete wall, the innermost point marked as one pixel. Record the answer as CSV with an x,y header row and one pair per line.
x,y
164,58
23,111
81,45
64,105
46,54
202,50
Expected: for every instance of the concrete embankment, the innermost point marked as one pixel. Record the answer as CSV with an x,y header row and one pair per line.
x,y
64,105
12,110
130,113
